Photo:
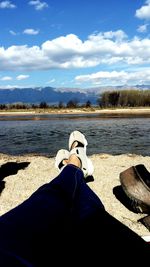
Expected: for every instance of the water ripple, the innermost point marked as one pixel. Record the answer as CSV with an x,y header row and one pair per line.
x,y
45,137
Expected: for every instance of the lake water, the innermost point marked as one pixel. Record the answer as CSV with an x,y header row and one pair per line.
x,y
44,135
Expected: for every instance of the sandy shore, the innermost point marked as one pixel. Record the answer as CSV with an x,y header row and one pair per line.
x,y
40,170
114,111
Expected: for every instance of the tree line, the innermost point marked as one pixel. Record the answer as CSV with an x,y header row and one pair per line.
x,y
125,98
73,103
118,98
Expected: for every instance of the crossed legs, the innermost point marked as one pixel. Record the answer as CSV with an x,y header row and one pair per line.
x,y
64,221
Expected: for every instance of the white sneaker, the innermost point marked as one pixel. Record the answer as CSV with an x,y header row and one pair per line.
x,y
78,137
61,155
86,163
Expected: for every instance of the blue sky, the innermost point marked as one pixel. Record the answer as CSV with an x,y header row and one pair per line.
x,y
74,43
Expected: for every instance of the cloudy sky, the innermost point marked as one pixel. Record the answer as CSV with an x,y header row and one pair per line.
x,y
74,43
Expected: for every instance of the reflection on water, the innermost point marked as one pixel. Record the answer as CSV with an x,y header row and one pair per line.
x,y
45,136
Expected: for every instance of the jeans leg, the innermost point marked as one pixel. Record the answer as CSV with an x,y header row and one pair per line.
x,y
65,222
47,216
81,199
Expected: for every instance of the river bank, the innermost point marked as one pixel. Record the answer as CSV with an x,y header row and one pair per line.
x,y
110,111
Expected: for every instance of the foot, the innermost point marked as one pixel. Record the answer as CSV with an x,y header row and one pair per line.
x,y
61,159
77,147
73,159
77,139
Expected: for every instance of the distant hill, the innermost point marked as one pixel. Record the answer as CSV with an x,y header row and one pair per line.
x,y
53,96
46,94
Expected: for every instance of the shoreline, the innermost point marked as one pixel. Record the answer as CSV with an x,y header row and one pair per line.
x,y
104,112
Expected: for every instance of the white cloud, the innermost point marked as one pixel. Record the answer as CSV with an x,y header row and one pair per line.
x,y
6,78
116,77
144,11
7,4
39,5
51,81
142,28
31,31
118,35
12,32
22,77
8,86
69,51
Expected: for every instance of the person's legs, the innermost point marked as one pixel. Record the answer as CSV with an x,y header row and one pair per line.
x,y
64,221
48,216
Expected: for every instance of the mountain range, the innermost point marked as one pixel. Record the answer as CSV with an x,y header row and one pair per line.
x,y
47,94
54,96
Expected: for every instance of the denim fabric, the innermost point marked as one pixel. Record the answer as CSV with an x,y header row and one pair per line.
x,y
63,222
50,212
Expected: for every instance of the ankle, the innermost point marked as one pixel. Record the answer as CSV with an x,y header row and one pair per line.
x,y
73,159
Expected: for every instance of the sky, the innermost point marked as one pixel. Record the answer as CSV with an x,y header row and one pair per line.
x,y
74,43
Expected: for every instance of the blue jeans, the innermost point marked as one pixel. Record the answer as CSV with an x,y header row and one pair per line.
x,y
64,222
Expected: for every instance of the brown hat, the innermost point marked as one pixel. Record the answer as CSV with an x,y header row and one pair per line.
x,y
146,222
135,182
